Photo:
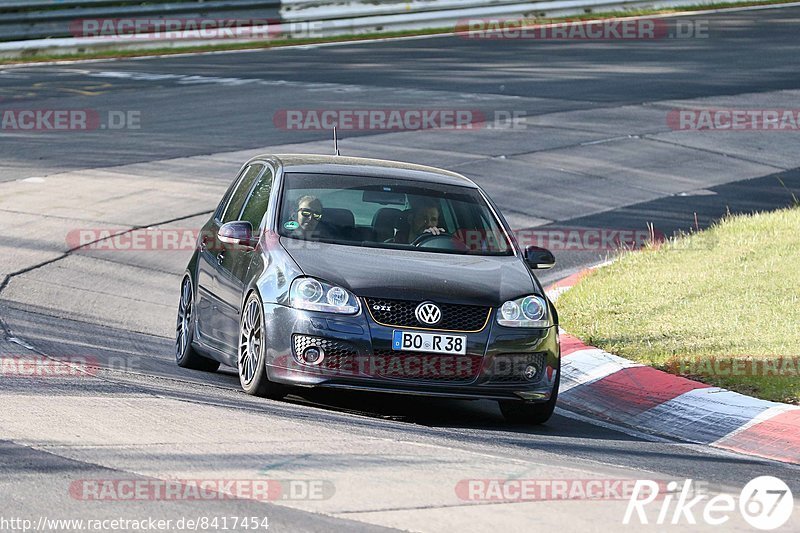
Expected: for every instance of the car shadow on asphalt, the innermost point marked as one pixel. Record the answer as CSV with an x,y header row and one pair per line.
x,y
446,413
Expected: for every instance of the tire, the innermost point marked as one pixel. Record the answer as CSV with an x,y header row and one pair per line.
x,y
185,355
252,350
517,412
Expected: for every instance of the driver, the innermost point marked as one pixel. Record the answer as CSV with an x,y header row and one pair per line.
x,y
424,218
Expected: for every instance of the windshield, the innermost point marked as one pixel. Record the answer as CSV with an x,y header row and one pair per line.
x,y
390,213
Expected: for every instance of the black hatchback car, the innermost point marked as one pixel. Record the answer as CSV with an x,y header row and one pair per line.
x,y
351,273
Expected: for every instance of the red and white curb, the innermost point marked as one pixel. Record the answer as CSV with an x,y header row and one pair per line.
x,y
605,386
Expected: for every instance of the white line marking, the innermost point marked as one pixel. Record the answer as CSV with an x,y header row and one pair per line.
x,y
586,366
697,414
20,342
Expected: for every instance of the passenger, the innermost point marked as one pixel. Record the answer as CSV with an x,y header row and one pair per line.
x,y
307,216
424,218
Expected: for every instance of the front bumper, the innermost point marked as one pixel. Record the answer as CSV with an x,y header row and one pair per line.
x,y
358,356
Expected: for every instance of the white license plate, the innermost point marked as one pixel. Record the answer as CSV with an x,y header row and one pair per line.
x,y
411,341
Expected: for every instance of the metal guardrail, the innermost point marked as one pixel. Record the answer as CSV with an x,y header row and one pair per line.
x,y
37,21
43,19
334,17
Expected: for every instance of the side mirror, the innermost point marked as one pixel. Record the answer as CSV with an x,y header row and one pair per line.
x,y
539,258
239,233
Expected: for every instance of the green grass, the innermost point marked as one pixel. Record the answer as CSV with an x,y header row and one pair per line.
x,y
697,303
34,56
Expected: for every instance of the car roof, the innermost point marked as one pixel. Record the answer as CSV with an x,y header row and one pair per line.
x,y
361,166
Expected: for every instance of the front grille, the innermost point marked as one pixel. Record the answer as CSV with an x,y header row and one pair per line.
x,y
400,313
508,368
415,366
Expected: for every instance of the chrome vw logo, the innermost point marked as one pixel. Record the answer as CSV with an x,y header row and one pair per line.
x,y
428,313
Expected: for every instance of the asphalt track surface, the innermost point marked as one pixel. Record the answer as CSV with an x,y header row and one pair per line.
x,y
592,149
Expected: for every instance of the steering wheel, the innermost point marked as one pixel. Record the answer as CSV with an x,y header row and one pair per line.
x,y
443,241
423,238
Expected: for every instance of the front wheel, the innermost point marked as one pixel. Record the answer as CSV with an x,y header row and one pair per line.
x,y
185,355
252,352
518,412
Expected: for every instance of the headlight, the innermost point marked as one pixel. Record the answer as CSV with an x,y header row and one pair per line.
x,y
526,312
315,295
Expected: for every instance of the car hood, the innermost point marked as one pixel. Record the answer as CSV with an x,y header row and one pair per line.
x,y
413,275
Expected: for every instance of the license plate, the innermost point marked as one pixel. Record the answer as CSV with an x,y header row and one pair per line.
x,y
411,341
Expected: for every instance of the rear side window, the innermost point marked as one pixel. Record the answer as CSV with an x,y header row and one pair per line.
x,y
258,202
224,202
240,193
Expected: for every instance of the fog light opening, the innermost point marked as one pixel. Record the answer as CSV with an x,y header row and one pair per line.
x,y
313,355
530,372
